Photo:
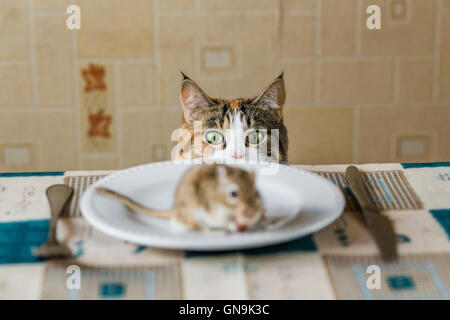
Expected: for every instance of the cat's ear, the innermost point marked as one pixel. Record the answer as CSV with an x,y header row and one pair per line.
x,y
273,95
192,97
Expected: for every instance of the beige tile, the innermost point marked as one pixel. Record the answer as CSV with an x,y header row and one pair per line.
x,y
298,4
99,163
145,132
299,80
237,4
444,68
356,81
118,29
446,3
172,62
414,34
16,87
52,134
137,82
14,35
319,135
181,40
53,61
415,80
19,156
176,4
97,107
337,27
381,128
51,5
297,36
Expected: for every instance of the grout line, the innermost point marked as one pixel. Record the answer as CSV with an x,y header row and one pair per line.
x,y
437,51
157,64
368,104
15,62
396,80
294,12
117,113
358,28
355,134
112,60
317,51
277,34
27,109
233,11
76,95
32,54
41,13
357,58
218,12
96,154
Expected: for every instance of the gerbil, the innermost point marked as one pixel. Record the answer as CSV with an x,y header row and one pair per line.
x,y
209,197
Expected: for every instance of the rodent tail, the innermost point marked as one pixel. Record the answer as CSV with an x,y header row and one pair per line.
x,y
133,205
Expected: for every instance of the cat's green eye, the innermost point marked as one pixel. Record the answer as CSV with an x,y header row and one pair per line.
x,y
255,137
214,137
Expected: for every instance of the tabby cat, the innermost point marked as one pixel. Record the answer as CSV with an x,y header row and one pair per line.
x,y
234,130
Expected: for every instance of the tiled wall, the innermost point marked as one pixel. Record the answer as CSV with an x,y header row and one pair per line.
x,y
106,96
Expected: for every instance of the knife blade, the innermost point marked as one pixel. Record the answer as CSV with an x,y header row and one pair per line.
x,y
378,225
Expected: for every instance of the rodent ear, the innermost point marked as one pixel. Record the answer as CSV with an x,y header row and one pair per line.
x,y
192,97
252,175
222,175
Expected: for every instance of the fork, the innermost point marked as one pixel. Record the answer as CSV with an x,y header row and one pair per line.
x,y
58,196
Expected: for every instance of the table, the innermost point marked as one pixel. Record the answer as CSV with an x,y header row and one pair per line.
x,y
338,262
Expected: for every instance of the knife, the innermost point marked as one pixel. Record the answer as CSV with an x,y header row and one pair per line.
x,y
379,225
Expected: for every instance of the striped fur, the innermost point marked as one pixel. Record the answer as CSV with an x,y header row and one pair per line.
x,y
234,118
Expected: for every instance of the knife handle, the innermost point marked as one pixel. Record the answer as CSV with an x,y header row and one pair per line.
x,y
358,188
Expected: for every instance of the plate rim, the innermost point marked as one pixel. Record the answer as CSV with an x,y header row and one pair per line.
x,y
265,238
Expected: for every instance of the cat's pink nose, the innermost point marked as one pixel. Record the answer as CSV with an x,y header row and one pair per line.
x,y
237,155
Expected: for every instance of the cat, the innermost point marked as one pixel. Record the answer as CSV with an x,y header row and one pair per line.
x,y
233,130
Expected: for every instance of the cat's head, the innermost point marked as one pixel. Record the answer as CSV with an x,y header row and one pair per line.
x,y
234,130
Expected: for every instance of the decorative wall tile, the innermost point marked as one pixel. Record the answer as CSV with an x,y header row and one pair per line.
x,y
14,27
18,156
97,106
319,135
51,5
337,27
117,29
53,131
137,83
356,81
383,128
219,59
412,35
253,35
299,79
413,147
444,70
15,84
53,42
415,80
297,35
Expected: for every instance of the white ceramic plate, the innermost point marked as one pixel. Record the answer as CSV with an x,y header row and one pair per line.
x,y
310,201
